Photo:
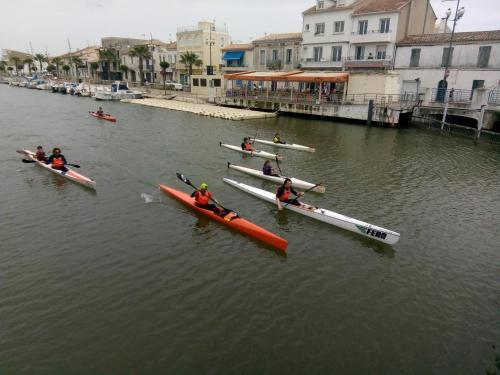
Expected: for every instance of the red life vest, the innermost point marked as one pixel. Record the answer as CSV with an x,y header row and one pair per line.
x,y
285,195
202,199
248,147
57,162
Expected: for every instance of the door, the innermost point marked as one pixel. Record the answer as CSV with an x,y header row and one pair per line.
x,y
441,91
476,84
360,53
409,89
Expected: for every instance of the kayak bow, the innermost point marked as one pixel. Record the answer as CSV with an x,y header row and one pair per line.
x,y
231,220
291,146
261,154
360,227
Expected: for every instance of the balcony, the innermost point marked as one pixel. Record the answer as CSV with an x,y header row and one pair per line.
x,y
369,64
274,64
323,63
372,36
235,68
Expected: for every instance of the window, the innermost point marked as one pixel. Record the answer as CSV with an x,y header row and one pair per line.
x,y
321,4
363,27
203,82
483,58
275,55
381,52
222,42
384,25
262,57
320,29
415,57
307,27
360,53
196,82
288,59
337,53
216,82
447,57
318,53
338,27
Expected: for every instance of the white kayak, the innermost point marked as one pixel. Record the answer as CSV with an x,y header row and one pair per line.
x,y
260,154
330,217
292,146
296,183
70,174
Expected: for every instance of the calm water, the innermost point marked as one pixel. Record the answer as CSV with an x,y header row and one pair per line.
x,y
107,283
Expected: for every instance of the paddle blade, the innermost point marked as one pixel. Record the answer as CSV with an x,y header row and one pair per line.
x,y
183,178
74,165
21,152
28,161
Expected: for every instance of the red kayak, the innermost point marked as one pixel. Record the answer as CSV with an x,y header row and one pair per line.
x,y
231,220
105,116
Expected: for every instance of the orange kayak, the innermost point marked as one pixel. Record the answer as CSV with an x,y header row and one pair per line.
x,y
231,220
105,116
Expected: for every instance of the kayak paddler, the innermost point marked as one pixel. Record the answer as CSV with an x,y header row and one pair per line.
x,y
283,194
202,199
268,170
40,154
100,112
247,145
57,160
277,138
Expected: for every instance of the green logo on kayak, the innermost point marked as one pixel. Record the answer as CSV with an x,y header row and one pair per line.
x,y
372,232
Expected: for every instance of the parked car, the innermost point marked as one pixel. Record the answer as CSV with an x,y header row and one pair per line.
x,y
171,85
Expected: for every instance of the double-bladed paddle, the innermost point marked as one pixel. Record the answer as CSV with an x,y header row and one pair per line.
x,y
295,200
188,182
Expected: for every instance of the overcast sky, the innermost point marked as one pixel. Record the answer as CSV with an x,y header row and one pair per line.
x,y
48,24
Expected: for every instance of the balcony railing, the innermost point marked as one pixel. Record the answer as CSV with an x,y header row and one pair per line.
x,y
273,64
451,96
353,62
370,32
494,98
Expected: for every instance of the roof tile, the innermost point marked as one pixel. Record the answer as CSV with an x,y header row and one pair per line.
x,y
463,37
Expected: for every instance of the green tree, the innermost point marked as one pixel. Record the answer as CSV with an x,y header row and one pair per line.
x,y
142,52
93,67
51,68
124,69
29,62
10,69
3,65
16,61
57,61
189,59
164,66
66,68
77,62
108,56
40,58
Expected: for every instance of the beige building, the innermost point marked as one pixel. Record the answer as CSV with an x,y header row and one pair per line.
x,y
205,40
11,56
86,55
237,58
277,52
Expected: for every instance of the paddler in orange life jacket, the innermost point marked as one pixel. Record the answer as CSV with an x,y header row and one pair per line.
x,y
100,112
247,145
283,194
57,160
202,199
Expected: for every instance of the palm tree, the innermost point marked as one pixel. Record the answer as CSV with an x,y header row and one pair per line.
x,y
93,67
10,69
189,59
77,62
164,66
40,58
3,64
57,61
51,68
16,61
107,55
66,68
124,69
142,52
29,62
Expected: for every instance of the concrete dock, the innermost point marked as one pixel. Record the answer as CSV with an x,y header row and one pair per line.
x,y
203,109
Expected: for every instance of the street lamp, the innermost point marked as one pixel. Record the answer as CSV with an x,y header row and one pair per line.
x,y
210,43
459,12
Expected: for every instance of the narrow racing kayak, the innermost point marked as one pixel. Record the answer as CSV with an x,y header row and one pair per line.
x,y
260,154
292,146
231,220
368,230
70,174
296,183
105,116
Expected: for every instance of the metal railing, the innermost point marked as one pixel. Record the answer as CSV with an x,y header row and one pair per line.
x,y
367,58
494,97
374,31
451,96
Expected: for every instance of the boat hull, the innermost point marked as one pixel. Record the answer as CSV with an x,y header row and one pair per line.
x,y
239,224
106,117
260,154
348,223
296,183
291,146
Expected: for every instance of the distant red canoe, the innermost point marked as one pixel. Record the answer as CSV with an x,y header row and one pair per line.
x,y
106,116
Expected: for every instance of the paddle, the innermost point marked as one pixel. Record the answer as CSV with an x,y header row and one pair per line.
x,y
295,200
188,182
278,164
34,161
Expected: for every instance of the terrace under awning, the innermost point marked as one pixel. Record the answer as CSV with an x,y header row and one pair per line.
x,y
233,55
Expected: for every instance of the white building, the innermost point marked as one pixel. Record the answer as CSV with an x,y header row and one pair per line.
x,y
362,34
475,61
237,58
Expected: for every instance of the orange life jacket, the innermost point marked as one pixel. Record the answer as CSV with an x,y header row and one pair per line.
x,y
57,162
285,195
248,147
202,199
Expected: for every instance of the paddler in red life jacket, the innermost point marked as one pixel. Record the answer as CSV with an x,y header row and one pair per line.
x,y
247,145
57,160
283,194
40,154
100,112
202,199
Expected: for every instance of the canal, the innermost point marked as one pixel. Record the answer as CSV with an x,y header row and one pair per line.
x,y
125,280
